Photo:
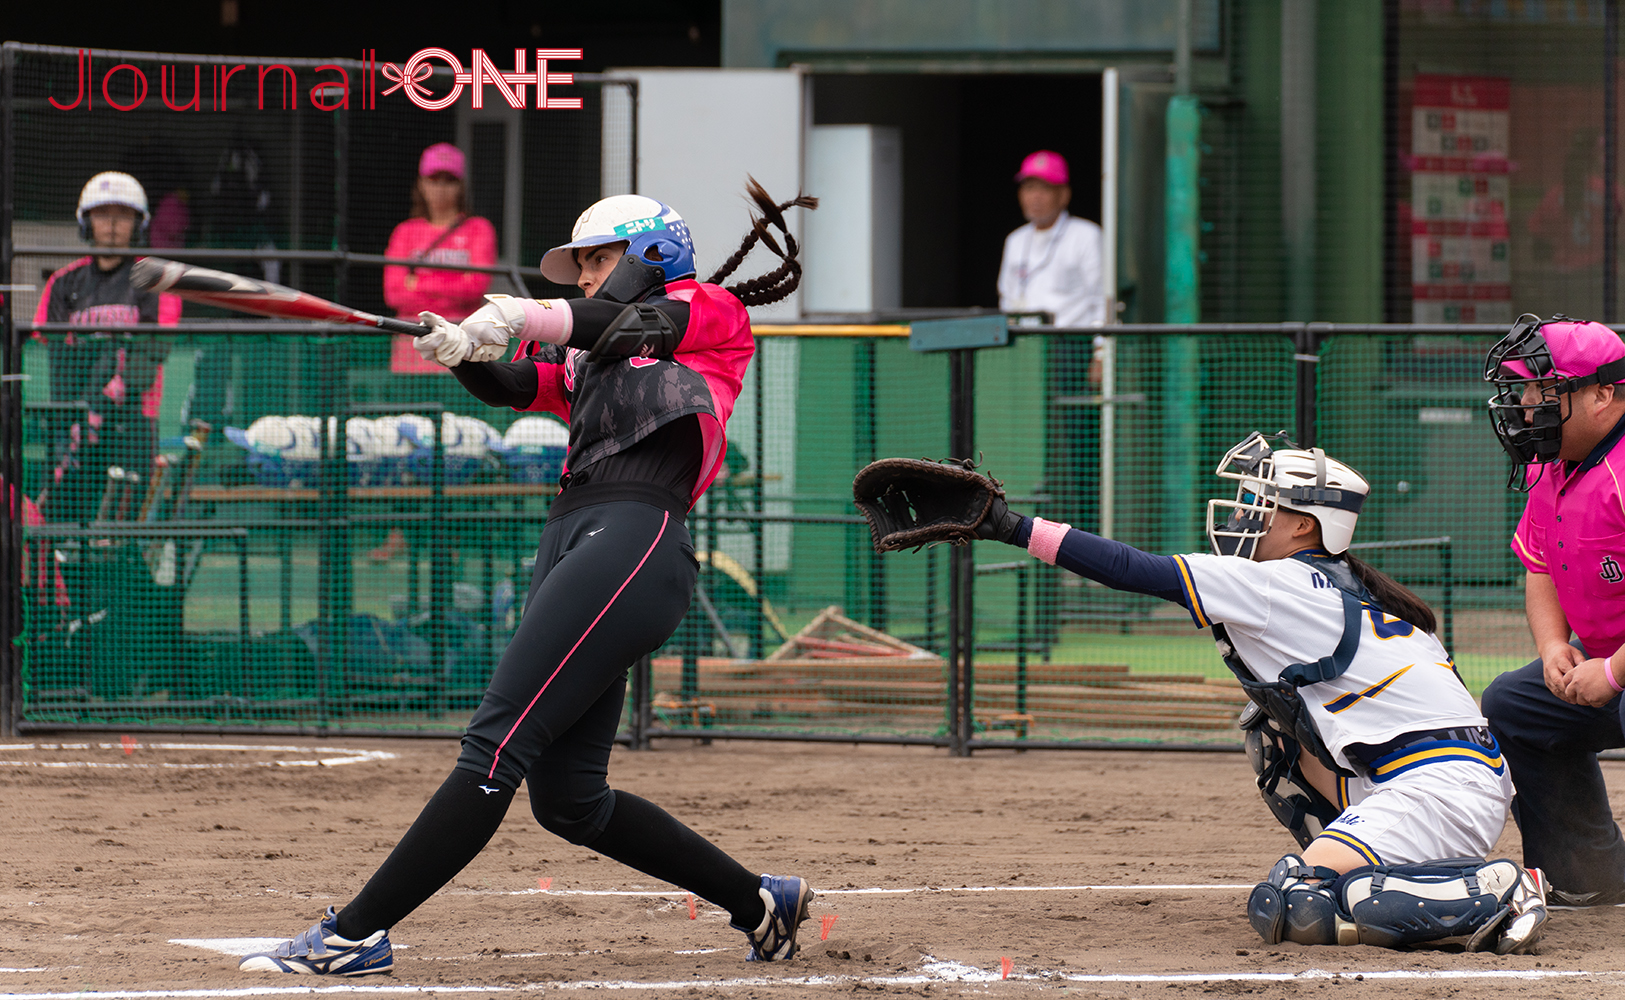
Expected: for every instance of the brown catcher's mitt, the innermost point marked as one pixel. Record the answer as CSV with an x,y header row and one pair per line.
x,y
911,502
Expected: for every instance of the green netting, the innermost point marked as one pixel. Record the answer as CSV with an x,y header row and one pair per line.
x,y
1409,413
270,592
228,587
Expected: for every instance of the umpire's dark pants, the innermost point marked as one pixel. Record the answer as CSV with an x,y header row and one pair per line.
x,y
1562,804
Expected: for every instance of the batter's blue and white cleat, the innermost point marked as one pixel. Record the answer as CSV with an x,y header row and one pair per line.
x,y
786,898
320,951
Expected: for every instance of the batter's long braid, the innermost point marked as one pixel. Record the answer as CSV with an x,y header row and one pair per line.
x,y
782,280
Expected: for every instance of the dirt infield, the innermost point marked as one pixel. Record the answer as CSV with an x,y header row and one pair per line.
x,y
1083,869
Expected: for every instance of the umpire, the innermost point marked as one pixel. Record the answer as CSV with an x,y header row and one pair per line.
x,y
1559,411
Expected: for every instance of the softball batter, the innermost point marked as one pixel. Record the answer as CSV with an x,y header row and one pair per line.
x,y
645,370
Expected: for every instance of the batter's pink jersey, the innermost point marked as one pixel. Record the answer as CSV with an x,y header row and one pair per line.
x,y
1573,530
717,347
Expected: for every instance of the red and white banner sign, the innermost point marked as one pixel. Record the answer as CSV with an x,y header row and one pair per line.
x,y
1461,269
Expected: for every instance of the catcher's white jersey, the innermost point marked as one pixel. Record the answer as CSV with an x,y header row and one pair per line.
x,y
1284,611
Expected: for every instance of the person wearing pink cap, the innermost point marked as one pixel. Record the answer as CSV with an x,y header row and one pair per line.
x,y
440,231
1051,264
1559,411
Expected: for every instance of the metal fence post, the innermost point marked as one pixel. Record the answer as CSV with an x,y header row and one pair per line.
x,y
757,550
1306,342
638,727
1610,158
873,592
11,430
1447,559
961,568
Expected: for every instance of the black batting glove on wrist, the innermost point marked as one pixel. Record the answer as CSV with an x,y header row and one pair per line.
x,y
1000,524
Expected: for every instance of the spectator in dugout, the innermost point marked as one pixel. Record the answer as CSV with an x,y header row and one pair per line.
x,y
118,376
440,231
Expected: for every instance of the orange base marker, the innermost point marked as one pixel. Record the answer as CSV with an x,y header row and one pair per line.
x,y
129,743
544,884
693,913
828,921
1005,966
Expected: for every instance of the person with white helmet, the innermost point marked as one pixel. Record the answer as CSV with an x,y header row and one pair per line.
x,y
645,370
119,376
1367,745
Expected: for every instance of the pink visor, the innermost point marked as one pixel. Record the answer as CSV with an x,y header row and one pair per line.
x,y
441,158
1045,165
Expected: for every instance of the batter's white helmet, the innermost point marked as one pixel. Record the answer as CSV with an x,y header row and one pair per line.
x,y
653,231
110,187
1302,480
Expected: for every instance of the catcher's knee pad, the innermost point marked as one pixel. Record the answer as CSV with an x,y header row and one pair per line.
x,y
1490,905
1296,903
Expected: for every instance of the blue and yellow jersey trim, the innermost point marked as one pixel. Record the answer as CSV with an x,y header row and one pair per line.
x,y
1193,600
1342,792
1436,752
1349,700
1359,846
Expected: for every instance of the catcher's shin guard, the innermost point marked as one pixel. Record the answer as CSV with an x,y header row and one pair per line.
x,y
1491,905
1297,903
1486,905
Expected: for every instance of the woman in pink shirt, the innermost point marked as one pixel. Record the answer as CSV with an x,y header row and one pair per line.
x,y
440,231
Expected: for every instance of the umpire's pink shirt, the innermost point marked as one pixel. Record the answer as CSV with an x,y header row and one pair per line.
x,y
1573,530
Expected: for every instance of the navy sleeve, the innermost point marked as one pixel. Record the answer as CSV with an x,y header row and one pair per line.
x,y
1119,566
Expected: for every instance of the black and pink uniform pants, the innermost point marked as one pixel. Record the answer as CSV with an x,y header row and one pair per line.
x,y
613,580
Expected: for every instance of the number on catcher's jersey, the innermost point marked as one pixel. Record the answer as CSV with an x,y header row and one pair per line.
x,y
1282,612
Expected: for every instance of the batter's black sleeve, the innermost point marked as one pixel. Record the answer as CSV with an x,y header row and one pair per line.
x,y
591,317
499,383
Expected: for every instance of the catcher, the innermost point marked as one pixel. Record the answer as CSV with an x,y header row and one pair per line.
x,y
1367,746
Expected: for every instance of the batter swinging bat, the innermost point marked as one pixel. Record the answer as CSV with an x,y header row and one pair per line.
x,y
250,295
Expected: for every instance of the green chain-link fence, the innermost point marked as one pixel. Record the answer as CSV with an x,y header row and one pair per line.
x,y
281,532
284,586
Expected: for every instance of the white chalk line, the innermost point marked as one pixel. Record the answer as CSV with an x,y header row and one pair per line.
x,y
931,971
878,891
243,946
352,756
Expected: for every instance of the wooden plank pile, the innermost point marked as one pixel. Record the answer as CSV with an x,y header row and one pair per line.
x,y
838,672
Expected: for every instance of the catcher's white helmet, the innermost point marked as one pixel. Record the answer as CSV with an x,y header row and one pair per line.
x,y
1302,480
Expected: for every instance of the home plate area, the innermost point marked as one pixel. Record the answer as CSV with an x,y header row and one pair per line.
x,y
1110,874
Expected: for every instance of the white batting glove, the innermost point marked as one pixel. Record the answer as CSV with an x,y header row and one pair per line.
x,y
446,343
491,325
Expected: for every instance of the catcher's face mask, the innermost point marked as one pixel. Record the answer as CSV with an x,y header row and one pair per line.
x,y
1235,526
1529,424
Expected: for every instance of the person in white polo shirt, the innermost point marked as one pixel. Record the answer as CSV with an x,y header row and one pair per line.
x,y
1051,264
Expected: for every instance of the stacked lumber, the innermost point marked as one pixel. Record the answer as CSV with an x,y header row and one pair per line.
x,y
837,672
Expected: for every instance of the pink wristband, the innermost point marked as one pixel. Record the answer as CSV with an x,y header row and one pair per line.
x,y
1045,541
547,320
1608,672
